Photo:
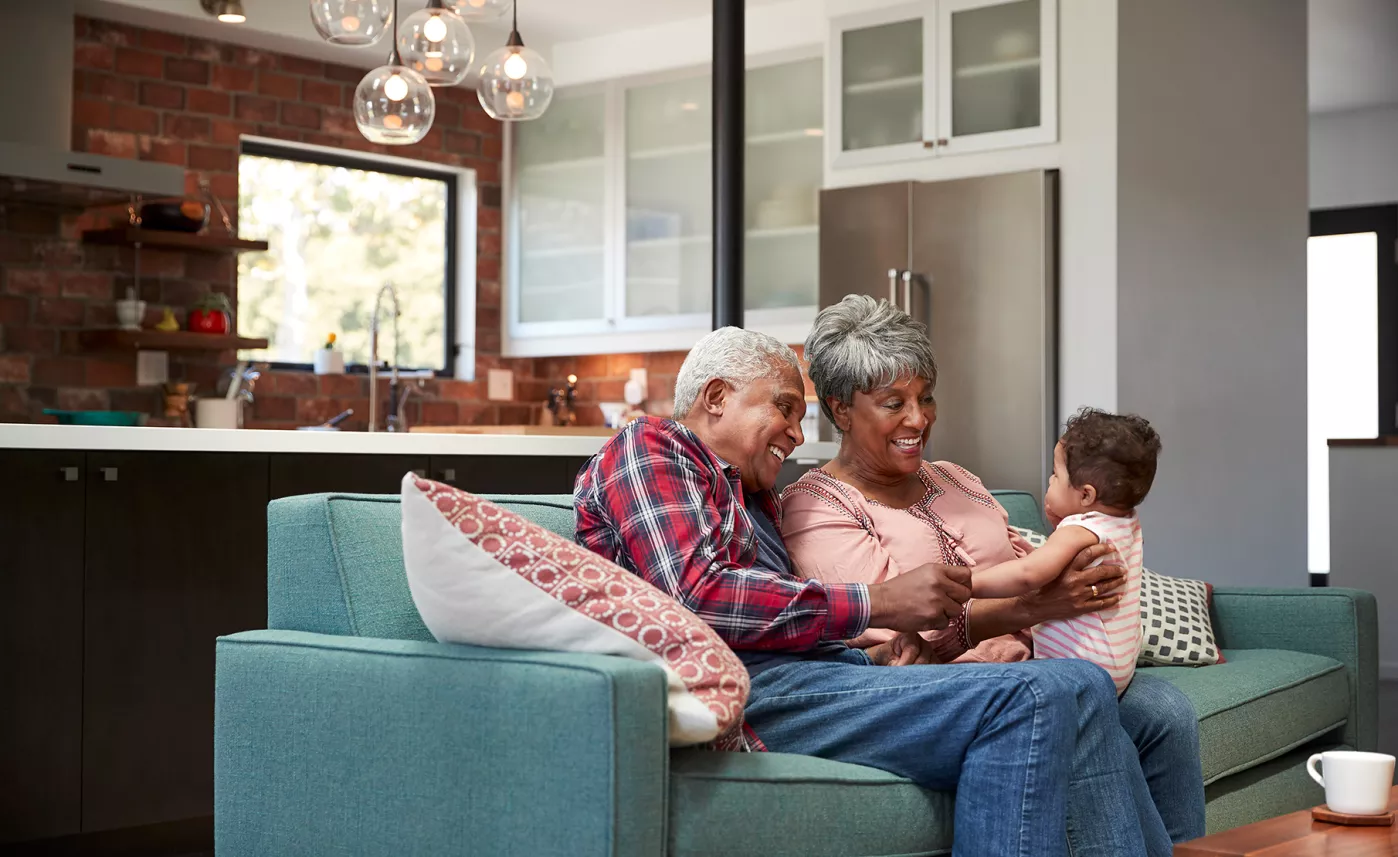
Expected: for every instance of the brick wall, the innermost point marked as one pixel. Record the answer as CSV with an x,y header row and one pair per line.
x,y
165,97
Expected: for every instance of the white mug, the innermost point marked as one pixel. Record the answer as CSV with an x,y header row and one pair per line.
x,y
218,413
1355,783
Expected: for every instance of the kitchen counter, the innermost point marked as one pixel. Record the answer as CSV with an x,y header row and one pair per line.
x,y
26,436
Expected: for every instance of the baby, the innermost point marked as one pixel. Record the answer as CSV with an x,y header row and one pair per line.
x,y
1103,467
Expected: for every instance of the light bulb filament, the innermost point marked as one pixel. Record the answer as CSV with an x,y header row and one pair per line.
x,y
435,29
395,88
516,66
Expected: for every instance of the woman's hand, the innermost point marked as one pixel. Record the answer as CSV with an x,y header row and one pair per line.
x,y
904,650
1078,590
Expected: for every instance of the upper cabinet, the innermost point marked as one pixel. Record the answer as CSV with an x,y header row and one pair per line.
x,y
610,220
941,77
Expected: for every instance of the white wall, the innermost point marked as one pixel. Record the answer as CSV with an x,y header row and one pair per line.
x,y
1354,157
1211,285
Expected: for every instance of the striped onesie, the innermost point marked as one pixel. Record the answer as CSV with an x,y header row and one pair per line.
x,y
1110,638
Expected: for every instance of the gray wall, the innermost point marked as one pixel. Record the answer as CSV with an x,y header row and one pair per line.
x,y
1211,288
1354,157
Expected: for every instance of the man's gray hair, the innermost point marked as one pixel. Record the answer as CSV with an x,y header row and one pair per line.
x,y
861,344
734,355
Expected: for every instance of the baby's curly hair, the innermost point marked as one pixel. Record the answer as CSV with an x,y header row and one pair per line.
x,y
1114,453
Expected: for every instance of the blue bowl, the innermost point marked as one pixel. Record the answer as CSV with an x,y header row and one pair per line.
x,y
96,418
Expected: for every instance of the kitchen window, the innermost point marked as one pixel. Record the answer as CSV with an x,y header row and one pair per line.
x,y
340,225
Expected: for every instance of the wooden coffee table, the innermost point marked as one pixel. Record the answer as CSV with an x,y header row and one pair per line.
x,y
1296,835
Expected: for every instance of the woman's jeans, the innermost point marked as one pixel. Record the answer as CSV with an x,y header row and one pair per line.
x,y
1007,738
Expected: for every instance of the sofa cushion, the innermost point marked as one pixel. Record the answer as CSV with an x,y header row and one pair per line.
x,y
1260,704
335,562
825,807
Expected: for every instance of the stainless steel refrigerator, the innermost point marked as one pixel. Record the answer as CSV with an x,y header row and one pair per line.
x,y
974,260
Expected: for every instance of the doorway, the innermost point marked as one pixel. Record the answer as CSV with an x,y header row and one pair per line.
x,y
1351,348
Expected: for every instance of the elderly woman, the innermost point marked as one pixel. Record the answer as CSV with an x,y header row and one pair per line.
x,y
879,510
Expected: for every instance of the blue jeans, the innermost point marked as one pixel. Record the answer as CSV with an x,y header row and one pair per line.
x,y
1162,723
1006,738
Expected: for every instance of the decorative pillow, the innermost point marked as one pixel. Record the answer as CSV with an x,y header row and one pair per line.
x,y
1176,628
483,575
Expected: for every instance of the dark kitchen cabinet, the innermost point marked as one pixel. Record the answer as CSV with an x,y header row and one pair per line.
x,y
353,474
41,643
505,474
176,547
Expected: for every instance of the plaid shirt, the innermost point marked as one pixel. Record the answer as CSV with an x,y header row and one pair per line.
x,y
659,503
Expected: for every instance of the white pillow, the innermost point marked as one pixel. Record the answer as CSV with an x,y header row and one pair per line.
x,y
483,575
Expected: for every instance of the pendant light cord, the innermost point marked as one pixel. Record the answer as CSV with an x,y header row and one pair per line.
x,y
394,58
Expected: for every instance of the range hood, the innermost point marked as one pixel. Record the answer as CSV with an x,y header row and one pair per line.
x,y
36,87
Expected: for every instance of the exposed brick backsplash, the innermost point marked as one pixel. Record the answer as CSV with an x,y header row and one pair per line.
x,y
159,96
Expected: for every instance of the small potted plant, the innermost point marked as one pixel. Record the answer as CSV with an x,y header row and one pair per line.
x,y
212,314
329,360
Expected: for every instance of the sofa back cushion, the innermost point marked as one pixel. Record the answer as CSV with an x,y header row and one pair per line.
x,y
335,562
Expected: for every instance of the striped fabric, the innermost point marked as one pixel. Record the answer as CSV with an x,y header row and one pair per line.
x,y
1110,638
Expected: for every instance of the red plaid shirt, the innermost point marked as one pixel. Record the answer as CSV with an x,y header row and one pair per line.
x,y
659,503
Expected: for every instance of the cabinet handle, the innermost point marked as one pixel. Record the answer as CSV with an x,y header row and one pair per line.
x,y
69,474
893,285
109,474
419,473
942,141
929,144
449,475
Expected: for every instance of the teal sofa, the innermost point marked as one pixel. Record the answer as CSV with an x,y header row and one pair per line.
x,y
345,729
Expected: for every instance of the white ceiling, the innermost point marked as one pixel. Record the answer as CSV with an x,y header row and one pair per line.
x,y
1353,50
1353,54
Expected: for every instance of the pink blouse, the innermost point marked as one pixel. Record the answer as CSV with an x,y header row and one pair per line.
x,y
836,534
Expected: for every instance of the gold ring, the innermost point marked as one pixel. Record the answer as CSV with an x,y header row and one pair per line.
x,y
1094,591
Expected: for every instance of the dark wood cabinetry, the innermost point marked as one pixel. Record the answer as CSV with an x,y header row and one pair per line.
x,y
354,474
176,549
41,643
505,474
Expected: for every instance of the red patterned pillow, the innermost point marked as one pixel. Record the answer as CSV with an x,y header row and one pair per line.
x,y
483,575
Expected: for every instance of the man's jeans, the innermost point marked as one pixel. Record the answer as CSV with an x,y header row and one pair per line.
x,y
1007,738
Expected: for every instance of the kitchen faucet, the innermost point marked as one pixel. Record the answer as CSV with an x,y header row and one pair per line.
x,y
392,421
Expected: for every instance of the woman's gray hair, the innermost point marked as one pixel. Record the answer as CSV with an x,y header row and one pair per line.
x,y
861,344
734,355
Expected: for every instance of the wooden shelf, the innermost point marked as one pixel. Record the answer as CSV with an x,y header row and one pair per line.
x,y
129,236
160,340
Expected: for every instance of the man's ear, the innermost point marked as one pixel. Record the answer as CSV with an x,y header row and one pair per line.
x,y
714,396
841,411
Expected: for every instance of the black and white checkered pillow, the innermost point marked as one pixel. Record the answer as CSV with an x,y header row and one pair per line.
x,y
1176,629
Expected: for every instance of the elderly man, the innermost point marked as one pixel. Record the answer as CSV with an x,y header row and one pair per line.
x,y
1035,752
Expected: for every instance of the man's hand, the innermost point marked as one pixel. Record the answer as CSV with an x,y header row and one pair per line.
x,y
1072,593
923,599
906,649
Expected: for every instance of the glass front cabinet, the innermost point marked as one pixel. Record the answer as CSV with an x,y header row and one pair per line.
x,y
609,212
941,77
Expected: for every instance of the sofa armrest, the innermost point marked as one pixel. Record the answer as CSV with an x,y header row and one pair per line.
x,y
1334,622
350,745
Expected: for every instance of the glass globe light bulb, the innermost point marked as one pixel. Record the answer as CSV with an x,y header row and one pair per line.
x,y
515,83
434,30
394,105
516,66
437,44
481,10
351,22
396,88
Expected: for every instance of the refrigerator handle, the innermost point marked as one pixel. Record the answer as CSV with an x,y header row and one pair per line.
x,y
907,292
893,274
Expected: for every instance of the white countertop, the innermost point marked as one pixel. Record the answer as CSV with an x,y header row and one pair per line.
x,y
22,436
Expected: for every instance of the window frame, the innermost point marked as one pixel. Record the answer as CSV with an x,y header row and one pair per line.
x,y
1382,220
459,305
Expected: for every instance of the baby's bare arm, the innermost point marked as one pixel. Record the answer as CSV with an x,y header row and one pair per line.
x,y
1028,573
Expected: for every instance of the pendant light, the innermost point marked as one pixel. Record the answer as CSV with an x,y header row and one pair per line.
x,y
393,104
437,44
515,83
482,10
351,22
226,11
